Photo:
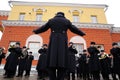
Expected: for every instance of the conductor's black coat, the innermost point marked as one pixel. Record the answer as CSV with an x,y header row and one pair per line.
x,y
58,48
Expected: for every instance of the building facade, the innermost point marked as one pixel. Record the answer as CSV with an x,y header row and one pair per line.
x,y
17,25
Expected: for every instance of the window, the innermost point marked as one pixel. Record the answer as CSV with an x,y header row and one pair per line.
x,y
34,47
94,19
119,44
21,16
0,35
101,45
79,47
75,18
38,17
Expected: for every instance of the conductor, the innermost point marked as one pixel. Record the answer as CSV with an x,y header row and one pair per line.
x,y
58,49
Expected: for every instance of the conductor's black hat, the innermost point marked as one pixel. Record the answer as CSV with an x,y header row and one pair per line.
x,y
60,14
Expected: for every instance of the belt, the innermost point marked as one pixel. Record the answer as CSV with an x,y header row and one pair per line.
x,y
58,31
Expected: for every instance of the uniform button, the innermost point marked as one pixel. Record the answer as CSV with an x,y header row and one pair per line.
x,y
63,31
53,31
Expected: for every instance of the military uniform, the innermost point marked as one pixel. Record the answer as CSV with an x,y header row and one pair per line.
x,y
42,63
115,51
58,48
71,62
94,64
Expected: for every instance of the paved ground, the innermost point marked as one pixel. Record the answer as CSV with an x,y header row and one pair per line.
x,y
33,75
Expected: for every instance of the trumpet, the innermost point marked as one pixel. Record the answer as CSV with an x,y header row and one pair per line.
x,y
12,46
24,52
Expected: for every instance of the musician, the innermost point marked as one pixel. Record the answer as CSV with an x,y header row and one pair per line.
x,y
115,51
94,64
22,61
42,62
104,63
83,65
71,61
12,60
28,65
2,54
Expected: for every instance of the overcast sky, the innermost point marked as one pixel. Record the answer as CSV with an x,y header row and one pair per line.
x,y
112,14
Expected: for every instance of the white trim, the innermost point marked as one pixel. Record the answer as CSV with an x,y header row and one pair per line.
x,y
22,23
4,13
43,9
93,25
40,23
79,39
115,30
57,4
72,10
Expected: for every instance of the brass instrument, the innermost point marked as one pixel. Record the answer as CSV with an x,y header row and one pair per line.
x,y
24,53
103,56
12,46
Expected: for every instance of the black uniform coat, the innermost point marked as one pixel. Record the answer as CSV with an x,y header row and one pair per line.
x,y
83,64
42,62
22,62
105,67
94,64
71,59
2,55
12,59
29,60
116,59
58,49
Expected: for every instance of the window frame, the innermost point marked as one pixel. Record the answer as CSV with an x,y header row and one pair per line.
x,y
94,19
36,55
21,16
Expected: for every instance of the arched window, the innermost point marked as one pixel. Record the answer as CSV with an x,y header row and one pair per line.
x,y
34,42
79,43
0,35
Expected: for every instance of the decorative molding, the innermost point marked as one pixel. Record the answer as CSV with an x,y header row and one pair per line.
x,y
76,9
40,23
115,30
93,25
4,13
35,9
57,4
79,25
22,23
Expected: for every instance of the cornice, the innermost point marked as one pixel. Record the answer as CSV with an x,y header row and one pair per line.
x,y
93,25
115,29
57,4
22,23
4,13
40,23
